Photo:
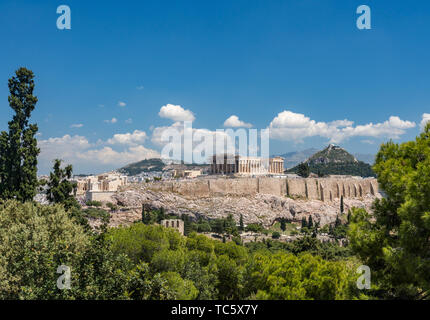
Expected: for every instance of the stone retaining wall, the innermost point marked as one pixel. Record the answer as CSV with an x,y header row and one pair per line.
x,y
325,189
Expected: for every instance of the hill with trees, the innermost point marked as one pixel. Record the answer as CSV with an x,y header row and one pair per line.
x,y
333,160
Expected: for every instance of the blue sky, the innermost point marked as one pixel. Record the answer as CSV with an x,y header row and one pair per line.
x,y
252,59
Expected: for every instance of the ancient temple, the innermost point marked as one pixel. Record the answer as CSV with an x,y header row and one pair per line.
x,y
228,164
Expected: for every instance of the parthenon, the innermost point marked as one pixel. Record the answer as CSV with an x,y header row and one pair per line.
x,y
227,164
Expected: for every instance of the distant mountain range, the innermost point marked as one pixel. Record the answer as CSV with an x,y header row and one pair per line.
x,y
292,159
335,160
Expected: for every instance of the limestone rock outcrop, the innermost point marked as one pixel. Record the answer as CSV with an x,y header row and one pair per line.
x,y
216,198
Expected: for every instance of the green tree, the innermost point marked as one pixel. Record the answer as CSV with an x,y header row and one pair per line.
x,y
60,188
341,204
34,241
394,242
18,146
303,170
310,222
276,235
304,223
241,227
283,224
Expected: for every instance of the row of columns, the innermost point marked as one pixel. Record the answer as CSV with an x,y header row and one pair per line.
x,y
246,166
276,167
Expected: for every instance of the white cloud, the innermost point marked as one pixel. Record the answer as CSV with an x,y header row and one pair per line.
x,y
121,104
137,137
288,125
77,125
113,153
139,88
129,120
234,122
196,133
176,113
426,118
113,120
368,141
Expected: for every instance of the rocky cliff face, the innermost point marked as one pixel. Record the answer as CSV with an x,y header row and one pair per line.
x,y
255,208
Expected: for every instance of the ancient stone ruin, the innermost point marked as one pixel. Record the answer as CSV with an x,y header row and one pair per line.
x,y
324,189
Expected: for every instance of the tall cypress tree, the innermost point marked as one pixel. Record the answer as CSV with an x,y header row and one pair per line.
x,y
241,228
18,146
310,222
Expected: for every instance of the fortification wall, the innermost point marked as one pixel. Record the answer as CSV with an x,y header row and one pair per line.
x,y
239,187
325,189
312,189
296,188
277,187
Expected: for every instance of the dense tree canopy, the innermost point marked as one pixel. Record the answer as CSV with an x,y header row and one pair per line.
x,y
18,146
394,242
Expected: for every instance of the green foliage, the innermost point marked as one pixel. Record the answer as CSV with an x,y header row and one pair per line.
x,y
241,227
18,146
152,262
255,227
111,206
304,223
310,222
60,188
34,241
341,204
96,213
282,276
276,235
394,242
303,170
224,225
93,203
283,224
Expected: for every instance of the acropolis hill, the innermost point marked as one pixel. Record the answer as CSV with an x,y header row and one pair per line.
x,y
259,200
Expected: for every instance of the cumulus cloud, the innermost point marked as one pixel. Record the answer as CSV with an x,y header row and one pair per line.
x,y
121,104
113,120
234,122
426,118
288,125
137,137
77,125
113,153
176,113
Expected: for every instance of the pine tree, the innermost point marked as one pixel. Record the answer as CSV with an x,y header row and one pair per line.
x,y
60,188
283,225
303,170
337,222
241,228
18,146
341,204
304,222
310,222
